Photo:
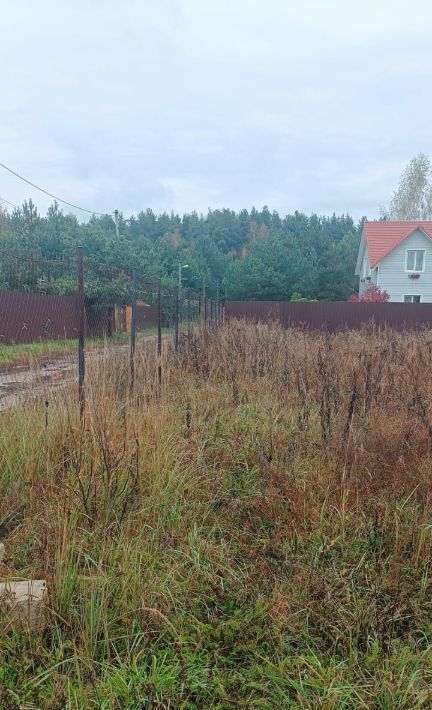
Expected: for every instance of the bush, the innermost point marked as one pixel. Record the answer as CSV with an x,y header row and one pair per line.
x,y
372,294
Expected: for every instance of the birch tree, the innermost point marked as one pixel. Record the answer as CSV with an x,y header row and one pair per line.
x,y
413,196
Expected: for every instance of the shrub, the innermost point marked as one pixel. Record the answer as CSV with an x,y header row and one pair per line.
x,y
372,294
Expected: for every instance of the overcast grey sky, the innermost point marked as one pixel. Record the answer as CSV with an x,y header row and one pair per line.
x,y
189,104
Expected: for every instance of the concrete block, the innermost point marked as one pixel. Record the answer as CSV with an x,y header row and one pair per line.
x,y
23,605
2,552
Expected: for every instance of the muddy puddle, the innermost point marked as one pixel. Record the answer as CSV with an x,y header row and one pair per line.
x,y
23,381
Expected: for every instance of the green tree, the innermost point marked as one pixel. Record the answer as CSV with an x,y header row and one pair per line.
x,y
255,254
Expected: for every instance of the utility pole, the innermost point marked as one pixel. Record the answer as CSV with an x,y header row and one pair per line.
x,y
116,220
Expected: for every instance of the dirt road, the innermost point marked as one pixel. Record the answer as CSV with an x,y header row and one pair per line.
x,y
24,382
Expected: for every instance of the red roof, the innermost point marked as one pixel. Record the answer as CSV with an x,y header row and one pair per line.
x,y
383,237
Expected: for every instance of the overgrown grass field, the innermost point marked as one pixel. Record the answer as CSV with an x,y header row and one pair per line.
x,y
254,532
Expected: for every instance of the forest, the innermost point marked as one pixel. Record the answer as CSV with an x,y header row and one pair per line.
x,y
254,254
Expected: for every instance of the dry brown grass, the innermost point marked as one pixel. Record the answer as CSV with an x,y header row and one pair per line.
x,y
254,532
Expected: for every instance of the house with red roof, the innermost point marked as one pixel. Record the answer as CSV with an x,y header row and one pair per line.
x,y
397,258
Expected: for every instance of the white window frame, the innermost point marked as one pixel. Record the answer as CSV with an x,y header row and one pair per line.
x,y
415,271
411,295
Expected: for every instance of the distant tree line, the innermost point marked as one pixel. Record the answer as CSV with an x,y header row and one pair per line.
x,y
254,254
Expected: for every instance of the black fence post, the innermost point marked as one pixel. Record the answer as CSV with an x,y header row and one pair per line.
x,y
188,317
133,329
205,310
81,331
159,331
177,321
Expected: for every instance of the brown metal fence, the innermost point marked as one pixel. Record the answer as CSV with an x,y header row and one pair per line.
x,y
30,317
35,317
333,316
146,316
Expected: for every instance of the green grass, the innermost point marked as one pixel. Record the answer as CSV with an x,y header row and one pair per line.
x,y
216,543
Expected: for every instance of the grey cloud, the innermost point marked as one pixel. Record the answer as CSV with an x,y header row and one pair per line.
x,y
186,104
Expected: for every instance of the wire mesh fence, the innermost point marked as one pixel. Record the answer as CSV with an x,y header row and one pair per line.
x,y
59,312
38,324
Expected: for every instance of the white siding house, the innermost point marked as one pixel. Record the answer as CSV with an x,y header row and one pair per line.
x,y
397,257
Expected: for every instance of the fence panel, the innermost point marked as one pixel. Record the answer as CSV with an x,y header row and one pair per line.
x,y
32,317
333,316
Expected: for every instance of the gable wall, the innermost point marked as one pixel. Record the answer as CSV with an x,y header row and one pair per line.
x,y
393,278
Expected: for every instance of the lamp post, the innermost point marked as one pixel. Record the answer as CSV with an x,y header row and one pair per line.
x,y
177,325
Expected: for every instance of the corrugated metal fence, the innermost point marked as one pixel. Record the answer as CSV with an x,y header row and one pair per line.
x,y
32,317
333,316
29,317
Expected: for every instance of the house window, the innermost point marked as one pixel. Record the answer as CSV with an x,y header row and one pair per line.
x,y
412,299
414,260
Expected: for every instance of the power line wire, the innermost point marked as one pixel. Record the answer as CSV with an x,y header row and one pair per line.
x,y
2,199
59,199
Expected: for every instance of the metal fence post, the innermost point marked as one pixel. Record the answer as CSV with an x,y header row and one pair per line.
x,y
159,332
81,331
188,317
133,329
177,321
203,303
